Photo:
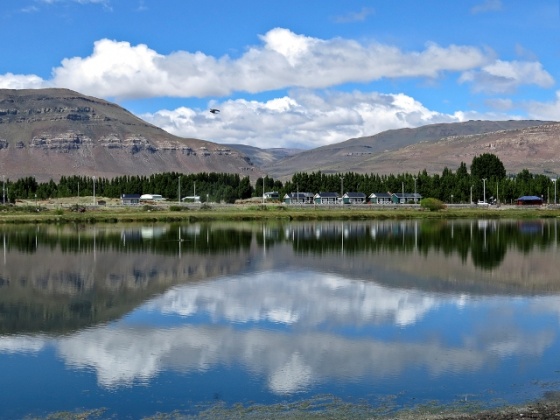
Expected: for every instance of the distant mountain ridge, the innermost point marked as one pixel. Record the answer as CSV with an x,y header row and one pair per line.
x,y
263,157
49,133
519,144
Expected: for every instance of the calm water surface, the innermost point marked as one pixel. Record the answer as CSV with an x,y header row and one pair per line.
x,y
146,319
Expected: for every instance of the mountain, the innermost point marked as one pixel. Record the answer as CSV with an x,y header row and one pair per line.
x,y
263,157
49,133
519,144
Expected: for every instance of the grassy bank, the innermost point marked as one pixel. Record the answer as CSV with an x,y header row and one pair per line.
x,y
68,212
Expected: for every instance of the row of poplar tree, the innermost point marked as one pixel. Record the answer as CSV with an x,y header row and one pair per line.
x,y
487,179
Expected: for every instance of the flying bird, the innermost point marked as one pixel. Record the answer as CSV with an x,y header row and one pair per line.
x,y
215,111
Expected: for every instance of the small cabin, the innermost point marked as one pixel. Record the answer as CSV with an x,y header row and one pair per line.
x,y
299,198
128,199
326,198
380,198
529,200
354,198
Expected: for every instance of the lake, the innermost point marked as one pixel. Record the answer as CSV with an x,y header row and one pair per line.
x,y
217,319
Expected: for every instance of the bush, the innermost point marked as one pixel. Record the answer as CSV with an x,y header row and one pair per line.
x,y
432,204
178,208
147,207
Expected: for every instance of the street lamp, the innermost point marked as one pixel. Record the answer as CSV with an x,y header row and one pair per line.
x,y
484,188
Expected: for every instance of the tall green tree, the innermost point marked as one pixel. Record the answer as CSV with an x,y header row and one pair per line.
x,y
487,166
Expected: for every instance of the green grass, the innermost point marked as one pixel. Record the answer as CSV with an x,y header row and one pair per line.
x,y
113,214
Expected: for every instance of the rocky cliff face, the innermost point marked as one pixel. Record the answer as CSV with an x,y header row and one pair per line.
x,y
49,133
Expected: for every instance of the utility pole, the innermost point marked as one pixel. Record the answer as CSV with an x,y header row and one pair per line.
x,y
484,189
179,191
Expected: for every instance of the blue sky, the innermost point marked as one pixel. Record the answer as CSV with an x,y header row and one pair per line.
x,y
291,73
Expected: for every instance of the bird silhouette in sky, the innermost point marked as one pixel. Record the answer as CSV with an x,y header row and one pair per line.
x,y
215,111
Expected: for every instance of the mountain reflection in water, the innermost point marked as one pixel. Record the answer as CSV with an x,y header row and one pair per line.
x,y
411,310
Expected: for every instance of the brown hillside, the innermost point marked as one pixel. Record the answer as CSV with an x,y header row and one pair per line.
x,y
519,144
533,148
48,133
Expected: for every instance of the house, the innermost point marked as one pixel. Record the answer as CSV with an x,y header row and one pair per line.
x,y
354,198
380,198
406,198
326,198
299,198
272,195
128,199
529,200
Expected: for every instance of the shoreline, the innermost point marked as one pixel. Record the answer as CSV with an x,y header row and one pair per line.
x,y
73,211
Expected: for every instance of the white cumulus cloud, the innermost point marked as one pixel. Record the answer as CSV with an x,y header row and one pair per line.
x,y
545,110
21,81
302,119
503,76
284,59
